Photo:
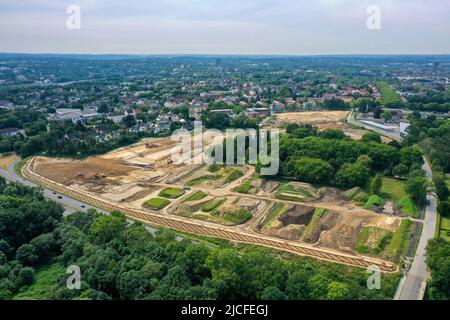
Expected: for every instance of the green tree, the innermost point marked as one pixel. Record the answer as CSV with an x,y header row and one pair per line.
x,y
416,187
313,170
371,136
353,174
400,170
375,185
337,291
107,227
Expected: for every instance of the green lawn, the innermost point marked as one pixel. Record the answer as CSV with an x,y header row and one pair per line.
x,y
393,189
195,196
156,203
171,193
397,244
444,231
45,278
407,206
389,97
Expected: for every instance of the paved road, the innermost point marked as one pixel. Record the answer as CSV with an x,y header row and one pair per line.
x,y
412,285
70,205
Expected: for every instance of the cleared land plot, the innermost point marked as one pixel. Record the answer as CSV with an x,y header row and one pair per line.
x,y
6,160
312,117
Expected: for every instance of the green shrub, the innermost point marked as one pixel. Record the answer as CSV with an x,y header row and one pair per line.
x,y
244,187
374,201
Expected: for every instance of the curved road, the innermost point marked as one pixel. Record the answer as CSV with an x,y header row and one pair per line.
x,y
412,285
70,205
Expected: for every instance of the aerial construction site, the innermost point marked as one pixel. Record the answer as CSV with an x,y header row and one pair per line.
x,y
231,202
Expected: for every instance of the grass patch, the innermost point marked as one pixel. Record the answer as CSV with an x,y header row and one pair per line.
x,y
374,201
276,211
393,189
372,240
171,193
19,165
211,205
215,167
233,175
318,214
202,179
407,206
156,203
45,279
399,239
195,196
236,217
290,193
389,97
244,187
444,231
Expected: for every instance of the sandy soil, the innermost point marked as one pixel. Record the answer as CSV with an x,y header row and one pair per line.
x,y
312,117
6,160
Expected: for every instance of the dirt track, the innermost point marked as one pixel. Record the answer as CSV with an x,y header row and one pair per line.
x,y
209,229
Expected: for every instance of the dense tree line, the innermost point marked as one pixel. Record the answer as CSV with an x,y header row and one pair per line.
x,y
330,157
438,260
433,135
119,260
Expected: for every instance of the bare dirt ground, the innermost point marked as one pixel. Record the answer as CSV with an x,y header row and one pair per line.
x,y
123,177
6,160
323,120
318,118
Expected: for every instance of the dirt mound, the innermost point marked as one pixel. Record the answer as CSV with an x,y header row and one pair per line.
x,y
291,232
297,215
331,195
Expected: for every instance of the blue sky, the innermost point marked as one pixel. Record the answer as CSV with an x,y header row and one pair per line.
x,y
226,26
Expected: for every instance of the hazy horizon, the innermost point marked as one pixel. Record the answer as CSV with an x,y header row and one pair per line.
x,y
233,27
